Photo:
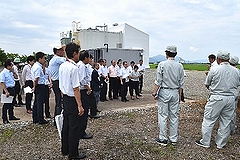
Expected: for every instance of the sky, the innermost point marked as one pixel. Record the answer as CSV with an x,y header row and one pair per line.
x,y
196,27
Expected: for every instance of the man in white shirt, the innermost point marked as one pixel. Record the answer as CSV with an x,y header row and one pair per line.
x,y
213,62
104,78
28,82
113,81
72,105
141,69
124,80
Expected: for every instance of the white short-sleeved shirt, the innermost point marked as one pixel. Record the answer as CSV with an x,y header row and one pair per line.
x,y
37,72
26,73
68,77
83,77
104,70
54,64
124,73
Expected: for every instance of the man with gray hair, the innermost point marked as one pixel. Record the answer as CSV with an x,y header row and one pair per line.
x,y
234,62
168,89
222,82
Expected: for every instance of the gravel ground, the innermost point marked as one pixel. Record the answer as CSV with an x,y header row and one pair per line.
x,y
125,131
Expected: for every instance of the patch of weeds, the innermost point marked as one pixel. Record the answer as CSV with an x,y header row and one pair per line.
x,y
130,114
171,148
6,135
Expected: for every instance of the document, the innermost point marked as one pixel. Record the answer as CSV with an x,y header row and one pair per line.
x,y
27,90
5,99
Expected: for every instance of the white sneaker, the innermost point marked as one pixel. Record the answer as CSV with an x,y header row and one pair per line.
x,y
200,144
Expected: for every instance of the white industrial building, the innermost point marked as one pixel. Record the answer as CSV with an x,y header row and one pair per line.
x,y
119,37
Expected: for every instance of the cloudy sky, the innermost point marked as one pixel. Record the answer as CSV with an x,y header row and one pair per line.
x,y
197,27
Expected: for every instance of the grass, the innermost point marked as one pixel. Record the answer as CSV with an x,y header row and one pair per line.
x,y
6,135
193,66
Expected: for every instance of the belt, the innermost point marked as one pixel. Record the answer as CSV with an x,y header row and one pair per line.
x,y
167,88
83,89
55,80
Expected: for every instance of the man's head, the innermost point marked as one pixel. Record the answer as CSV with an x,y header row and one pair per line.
x,y
100,61
234,60
125,65
132,63
113,62
96,66
40,57
171,51
140,61
72,51
211,58
8,64
223,56
30,60
119,63
84,56
104,62
59,50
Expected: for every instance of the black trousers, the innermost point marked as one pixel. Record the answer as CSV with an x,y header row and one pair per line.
x,y
37,114
8,106
140,83
58,98
124,90
135,86
103,92
113,87
17,89
29,96
71,130
92,104
119,86
85,105
46,100
130,86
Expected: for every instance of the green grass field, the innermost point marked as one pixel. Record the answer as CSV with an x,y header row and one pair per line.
x,y
192,66
196,67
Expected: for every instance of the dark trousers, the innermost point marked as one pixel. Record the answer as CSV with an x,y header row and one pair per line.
x,y
8,106
130,84
135,86
85,105
29,96
17,89
140,83
113,87
58,98
92,104
46,100
124,90
119,87
71,130
103,90
37,114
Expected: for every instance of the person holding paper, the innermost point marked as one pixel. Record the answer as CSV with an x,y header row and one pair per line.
x,y
28,82
7,82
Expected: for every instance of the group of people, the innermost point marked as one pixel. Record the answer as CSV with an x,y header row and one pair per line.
x,y
121,77
223,79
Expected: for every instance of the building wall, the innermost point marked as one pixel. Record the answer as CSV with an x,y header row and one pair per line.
x,y
90,39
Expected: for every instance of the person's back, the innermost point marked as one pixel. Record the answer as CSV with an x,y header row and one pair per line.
x,y
172,73
223,79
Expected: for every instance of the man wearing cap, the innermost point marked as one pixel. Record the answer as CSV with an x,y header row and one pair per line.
x,y
222,82
17,87
234,62
54,65
168,88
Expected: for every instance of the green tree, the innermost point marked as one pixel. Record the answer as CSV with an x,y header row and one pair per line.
x,y
3,56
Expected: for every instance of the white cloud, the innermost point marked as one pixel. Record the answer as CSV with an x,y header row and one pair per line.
x,y
193,49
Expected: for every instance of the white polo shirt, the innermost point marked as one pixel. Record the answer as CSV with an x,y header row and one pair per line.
x,y
68,77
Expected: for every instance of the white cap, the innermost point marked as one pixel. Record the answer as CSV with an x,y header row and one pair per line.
x,y
172,49
234,60
225,55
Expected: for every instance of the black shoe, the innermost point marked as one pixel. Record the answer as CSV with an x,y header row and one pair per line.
x,y
44,122
126,100
123,100
14,118
87,136
95,117
80,156
115,98
98,110
17,105
105,100
102,100
139,95
6,122
111,98
21,103
49,116
162,142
